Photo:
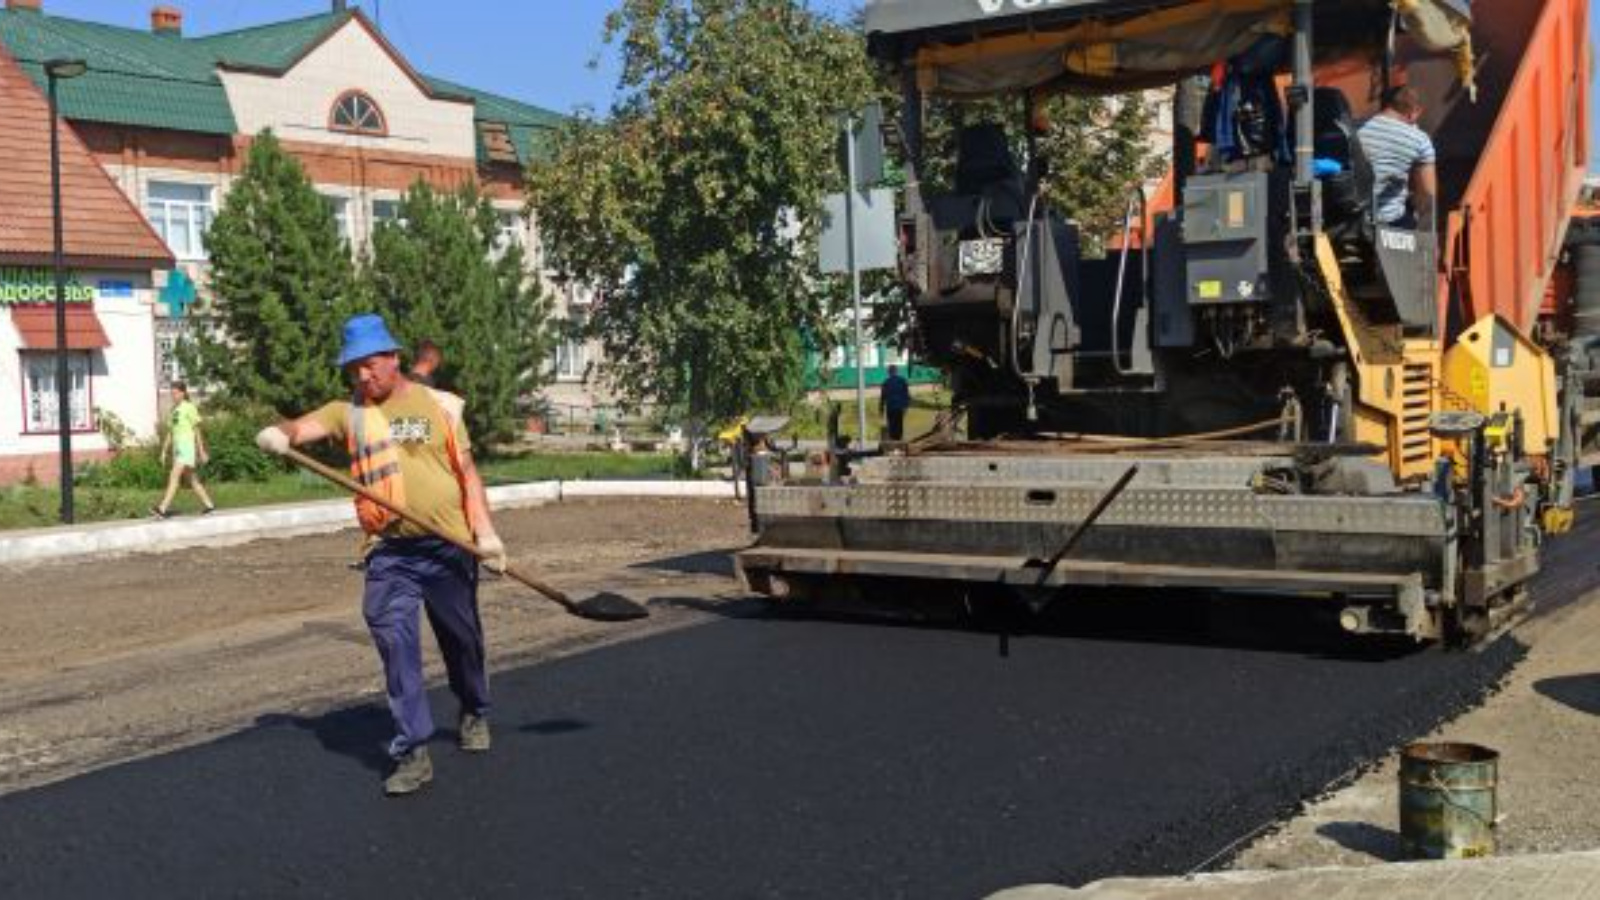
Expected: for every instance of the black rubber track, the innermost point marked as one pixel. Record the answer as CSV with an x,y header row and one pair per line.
x,y
759,757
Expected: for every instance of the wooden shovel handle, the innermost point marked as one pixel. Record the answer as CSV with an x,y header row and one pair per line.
x,y
350,484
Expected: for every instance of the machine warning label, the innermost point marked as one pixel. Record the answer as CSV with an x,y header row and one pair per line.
x,y
1209,290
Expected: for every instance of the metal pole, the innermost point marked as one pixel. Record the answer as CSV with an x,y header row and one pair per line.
x,y
63,373
1304,114
855,279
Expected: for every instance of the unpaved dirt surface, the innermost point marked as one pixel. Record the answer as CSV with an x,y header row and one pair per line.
x,y
104,661
1545,722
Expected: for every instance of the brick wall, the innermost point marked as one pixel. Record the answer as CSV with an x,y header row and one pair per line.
x,y
42,467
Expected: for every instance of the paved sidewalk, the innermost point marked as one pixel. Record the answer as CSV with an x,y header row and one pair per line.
x,y
1568,876
237,526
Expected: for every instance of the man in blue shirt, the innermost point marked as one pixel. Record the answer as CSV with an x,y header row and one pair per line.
x,y
1402,158
895,398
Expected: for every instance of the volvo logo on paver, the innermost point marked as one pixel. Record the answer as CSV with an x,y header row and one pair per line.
x,y
1402,241
995,7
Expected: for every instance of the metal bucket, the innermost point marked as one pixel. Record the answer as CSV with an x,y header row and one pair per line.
x,y
1447,800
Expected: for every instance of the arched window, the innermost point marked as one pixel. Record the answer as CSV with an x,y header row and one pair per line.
x,y
357,113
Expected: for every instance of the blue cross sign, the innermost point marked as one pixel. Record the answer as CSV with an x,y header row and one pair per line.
x,y
179,294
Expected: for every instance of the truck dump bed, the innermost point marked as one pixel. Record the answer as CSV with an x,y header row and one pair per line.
x,y
1512,164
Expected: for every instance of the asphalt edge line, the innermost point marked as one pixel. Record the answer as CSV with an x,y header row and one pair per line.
x,y
232,527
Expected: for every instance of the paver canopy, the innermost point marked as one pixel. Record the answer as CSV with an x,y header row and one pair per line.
x,y
969,48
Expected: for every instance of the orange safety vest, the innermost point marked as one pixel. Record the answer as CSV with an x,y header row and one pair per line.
x,y
375,462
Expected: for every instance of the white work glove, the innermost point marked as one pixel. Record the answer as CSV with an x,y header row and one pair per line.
x,y
494,553
272,439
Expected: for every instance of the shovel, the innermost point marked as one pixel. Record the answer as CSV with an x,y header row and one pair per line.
x,y
602,607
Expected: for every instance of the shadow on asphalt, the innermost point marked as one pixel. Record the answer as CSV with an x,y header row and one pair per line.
x,y
1362,837
1281,625
360,733
709,562
1580,692
555,727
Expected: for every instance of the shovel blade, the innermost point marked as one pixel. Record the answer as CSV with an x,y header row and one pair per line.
x,y
609,607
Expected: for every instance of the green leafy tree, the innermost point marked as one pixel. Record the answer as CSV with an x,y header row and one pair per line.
x,y
1099,150
694,208
283,283
440,273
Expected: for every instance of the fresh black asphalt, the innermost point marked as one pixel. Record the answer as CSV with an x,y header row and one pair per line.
x,y
762,757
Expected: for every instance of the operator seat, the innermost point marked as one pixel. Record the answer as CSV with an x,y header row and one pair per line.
x,y
985,167
989,199
1346,195
989,195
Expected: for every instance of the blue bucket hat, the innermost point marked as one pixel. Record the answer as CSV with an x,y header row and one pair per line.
x,y
366,335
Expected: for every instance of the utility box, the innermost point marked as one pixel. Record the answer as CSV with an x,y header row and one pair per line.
x,y
1226,223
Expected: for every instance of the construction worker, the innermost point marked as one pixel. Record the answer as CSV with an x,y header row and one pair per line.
x,y
1404,178
425,363
895,398
405,444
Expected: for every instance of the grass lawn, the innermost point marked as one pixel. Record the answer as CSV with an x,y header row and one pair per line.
x,y
36,506
811,420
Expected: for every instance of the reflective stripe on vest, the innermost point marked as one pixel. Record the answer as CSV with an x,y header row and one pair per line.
x,y
375,464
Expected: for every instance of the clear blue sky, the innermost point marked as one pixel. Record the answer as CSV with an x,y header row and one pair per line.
x,y
538,51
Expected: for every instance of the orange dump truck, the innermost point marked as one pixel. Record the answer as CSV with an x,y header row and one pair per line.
x,y
1382,414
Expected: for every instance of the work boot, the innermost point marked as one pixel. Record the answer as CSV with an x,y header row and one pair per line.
x,y
474,733
411,772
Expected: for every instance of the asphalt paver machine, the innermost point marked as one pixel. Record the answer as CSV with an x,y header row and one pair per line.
x,y
1387,419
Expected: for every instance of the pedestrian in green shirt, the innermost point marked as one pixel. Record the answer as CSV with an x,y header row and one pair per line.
x,y
187,445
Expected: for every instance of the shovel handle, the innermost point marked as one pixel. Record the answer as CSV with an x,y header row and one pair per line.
x,y
1088,521
351,485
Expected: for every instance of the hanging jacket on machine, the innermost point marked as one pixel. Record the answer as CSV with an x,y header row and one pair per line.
x,y
1244,115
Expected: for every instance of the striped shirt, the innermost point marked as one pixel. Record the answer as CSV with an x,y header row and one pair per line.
x,y
1395,148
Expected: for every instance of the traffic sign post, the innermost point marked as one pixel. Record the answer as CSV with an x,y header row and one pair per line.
x,y
863,164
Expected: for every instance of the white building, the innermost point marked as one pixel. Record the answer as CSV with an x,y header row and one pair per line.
x,y
112,261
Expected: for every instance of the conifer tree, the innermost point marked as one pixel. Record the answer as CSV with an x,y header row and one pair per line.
x,y
283,283
441,273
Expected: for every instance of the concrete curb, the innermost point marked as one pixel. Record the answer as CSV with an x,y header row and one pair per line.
x,y
1568,875
228,528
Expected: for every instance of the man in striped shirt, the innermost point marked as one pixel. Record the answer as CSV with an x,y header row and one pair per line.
x,y
1402,159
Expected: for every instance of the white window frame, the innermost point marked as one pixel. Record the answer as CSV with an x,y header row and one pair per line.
x,y
39,391
510,229
571,360
339,205
579,296
162,213
376,219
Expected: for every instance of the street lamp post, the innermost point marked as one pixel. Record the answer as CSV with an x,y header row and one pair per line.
x,y
59,70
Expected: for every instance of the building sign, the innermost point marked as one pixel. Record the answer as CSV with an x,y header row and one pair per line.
x,y
115,290
19,286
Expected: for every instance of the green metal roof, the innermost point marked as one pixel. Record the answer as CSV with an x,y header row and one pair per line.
x,y
272,46
169,81
528,124
134,77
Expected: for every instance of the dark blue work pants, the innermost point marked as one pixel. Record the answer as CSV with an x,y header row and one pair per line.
x,y
402,577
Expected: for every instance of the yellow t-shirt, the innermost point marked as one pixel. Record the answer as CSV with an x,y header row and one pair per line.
x,y
417,424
